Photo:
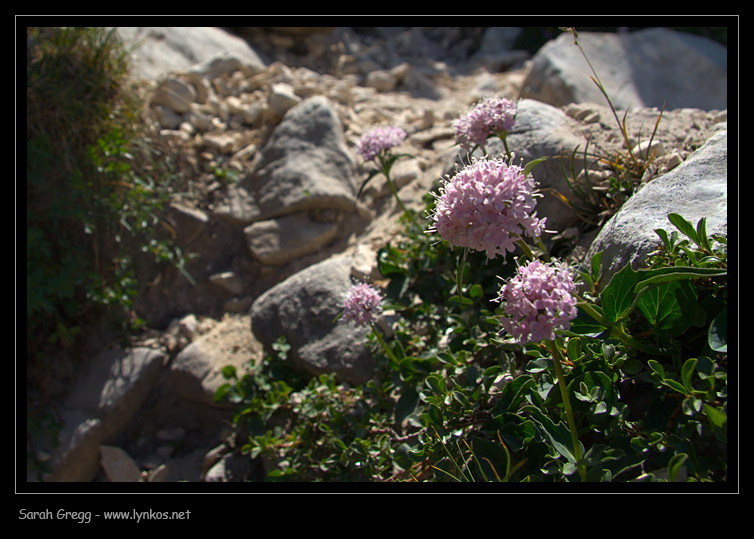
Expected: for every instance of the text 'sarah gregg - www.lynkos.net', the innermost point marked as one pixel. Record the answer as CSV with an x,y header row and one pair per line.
x,y
85,517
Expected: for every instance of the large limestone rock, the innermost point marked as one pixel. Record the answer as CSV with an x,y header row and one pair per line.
x,y
305,166
159,50
696,188
644,68
303,309
281,240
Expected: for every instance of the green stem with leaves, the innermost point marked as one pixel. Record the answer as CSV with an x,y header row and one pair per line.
x,y
617,330
577,454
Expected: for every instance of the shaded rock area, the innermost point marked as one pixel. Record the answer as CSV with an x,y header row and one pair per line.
x,y
269,118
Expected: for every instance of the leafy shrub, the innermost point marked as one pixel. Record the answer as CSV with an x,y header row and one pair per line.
x,y
96,182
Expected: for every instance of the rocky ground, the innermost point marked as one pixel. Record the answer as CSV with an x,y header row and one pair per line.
x,y
414,79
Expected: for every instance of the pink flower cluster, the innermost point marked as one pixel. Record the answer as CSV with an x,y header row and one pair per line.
x,y
362,304
486,207
538,301
494,114
379,139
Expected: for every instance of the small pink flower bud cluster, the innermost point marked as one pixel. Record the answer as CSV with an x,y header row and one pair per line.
x,y
362,304
379,139
538,301
486,207
494,114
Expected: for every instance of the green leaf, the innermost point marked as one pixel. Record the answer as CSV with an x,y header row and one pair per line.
x,y
397,287
531,164
574,351
372,174
494,459
684,226
585,325
632,367
719,421
657,368
228,372
435,415
521,386
221,392
627,286
717,336
665,240
676,273
538,365
475,291
675,385
692,406
461,300
516,434
618,295
639,444
390,262
436,382
660,306
596,264
701,231
687,372
674,465
597,389
557,433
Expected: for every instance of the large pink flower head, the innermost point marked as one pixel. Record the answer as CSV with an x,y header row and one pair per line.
x,y
379,139
537,301
362,304
494,114
486,207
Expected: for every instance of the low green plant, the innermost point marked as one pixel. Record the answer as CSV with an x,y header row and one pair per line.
x,y
308,428
645,374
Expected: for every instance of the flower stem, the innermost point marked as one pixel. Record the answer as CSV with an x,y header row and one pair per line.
x,y
526,249
386,165
541,245
385,348
504,138
459,271
556,357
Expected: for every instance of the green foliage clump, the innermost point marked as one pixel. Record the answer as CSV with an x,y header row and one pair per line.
x,y
95,183
645,367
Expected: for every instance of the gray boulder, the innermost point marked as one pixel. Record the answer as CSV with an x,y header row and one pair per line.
x,y
284,239
305,166
644,68
105,400
159,50
696,188
303,309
